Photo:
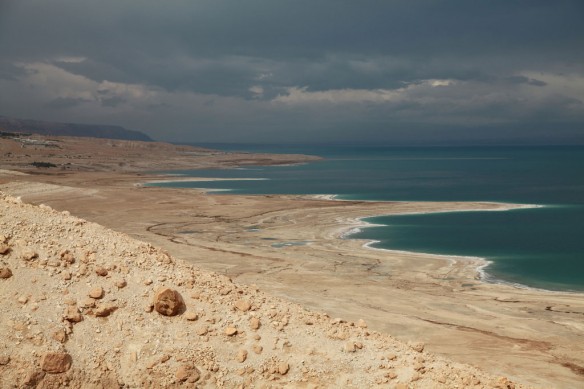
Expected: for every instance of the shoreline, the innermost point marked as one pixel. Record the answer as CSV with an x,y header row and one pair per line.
x,y
471,261
476,263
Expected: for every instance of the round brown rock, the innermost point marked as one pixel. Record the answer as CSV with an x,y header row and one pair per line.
x,y
168,302
100,271
96,292
55,363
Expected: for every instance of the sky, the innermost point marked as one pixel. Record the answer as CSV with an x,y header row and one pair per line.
x,y
412,72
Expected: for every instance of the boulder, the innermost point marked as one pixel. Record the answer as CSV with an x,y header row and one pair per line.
x,y
168,302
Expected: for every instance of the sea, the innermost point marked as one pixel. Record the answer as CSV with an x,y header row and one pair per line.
x,y
535,247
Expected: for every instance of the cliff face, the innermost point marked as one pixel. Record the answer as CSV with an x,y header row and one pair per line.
x,y
70,129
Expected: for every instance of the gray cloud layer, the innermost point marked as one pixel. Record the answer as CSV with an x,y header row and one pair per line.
x,y
263,70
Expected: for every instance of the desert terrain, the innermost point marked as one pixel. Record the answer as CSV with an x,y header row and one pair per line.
x,y
332,313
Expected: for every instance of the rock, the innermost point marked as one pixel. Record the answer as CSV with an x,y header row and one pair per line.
x,y
23,300
202,331
148,282
257,349
28,255
503,382
241,356
56,362
88,303
66,276
254,323
243,305
168,302
72,315
96,292
361,323
67,257
121,284
5,273
4,360
230,331
105,310
4,248
417,346
191,316
60,336
33,378
283,368
187,373
100,271
350,347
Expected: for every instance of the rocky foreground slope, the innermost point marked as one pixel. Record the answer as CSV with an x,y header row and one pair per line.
x,y
83,306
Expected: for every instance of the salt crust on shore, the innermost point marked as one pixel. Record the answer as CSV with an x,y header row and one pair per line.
x,y
52,333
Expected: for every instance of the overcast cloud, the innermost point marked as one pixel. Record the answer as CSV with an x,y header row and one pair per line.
x,y
405,72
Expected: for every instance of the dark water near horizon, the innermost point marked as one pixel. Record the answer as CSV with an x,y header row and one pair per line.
x,y
541,247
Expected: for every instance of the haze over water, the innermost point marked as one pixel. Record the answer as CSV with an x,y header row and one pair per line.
x,y
540,247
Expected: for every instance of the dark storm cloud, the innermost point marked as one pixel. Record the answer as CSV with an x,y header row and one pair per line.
x,y
270,67
65,102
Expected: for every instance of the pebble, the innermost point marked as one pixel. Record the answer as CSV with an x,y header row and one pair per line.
x,y
417,346
100,271
121,284
96,292
283,368
254,323
243,305
241,356
191,316
5,273
56,362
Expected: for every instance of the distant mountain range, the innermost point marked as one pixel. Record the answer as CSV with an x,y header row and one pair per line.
x,y
8,124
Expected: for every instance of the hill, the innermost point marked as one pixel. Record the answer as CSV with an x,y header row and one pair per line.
x,y
9,124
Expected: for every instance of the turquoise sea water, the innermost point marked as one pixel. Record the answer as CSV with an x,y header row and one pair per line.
x,y
542,247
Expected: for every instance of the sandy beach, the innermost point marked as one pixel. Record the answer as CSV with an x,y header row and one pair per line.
x,y
295,248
